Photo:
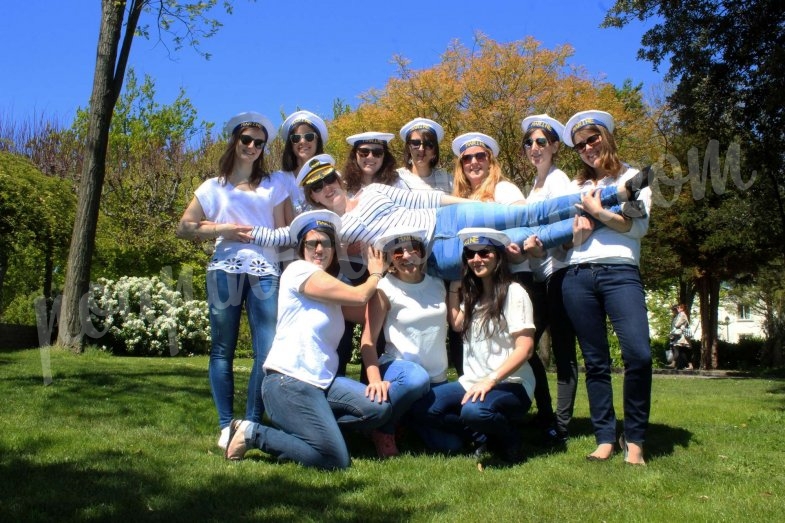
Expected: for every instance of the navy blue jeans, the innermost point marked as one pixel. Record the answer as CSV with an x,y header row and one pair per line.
x,y
592,293
227,293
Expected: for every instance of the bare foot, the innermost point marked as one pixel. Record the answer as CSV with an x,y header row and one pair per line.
x,y
603,452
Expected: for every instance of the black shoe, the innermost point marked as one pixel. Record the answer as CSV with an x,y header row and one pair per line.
x,y
633,209
640,180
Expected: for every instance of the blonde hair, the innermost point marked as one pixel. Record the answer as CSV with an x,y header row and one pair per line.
x,y
485,192
609,156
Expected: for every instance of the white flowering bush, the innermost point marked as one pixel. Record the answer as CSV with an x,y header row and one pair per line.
x,y
145,316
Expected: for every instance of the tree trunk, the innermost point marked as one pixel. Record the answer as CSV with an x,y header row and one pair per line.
x,y
708,287
106,88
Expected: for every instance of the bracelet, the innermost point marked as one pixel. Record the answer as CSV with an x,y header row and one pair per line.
x,y
378,275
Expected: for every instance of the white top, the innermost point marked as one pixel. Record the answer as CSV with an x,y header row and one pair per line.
x,y
608,246
481,356
507,192
224,203
557,183
399,184
438,180
415,328
308,331
295,192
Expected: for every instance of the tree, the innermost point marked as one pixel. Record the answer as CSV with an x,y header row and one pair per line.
x,y
726,60
119,24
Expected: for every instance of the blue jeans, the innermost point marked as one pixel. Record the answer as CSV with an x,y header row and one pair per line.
x,y
226,295
307,420
591,293
408,383
550,220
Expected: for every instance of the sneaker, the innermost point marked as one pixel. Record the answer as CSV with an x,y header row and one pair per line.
x,y
385,444
223,439
236,448
553,438
638,182
633,209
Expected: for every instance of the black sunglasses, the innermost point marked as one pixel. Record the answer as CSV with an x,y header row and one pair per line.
x,y
591,140
313,244
364,152
416,144
246,140
484,253
327,180
541,142
308,137
466,159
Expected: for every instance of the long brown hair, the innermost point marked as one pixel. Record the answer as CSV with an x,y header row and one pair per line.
x,y
288,158
426,135
353,175
472,288
609,156
226,162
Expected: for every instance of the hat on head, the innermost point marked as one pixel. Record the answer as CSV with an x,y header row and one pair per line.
x,y
310,220
584,118
483,236
464,141
250,119
422,124
315,169
298,117
543,121
370,137
390,239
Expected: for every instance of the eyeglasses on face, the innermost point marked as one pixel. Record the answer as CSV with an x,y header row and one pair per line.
x,y
413,250
311,245
591,140
365,151
416,144
484,253
327,180
246,140
308,137
541,142
466,159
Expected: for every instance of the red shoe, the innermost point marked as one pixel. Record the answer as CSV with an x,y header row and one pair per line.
x,y
385,444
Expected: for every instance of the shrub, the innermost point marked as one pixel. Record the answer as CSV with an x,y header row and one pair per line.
x,y
144,316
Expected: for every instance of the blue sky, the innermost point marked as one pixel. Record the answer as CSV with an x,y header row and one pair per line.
x,y
275,57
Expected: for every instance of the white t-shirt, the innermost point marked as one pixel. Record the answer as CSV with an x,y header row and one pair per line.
x,y
608,246
507,193
223,203
308,331
438,180
482,355
556,184
416,325
295,192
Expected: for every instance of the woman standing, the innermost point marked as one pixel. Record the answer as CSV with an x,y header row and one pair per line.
x,y
542,276
679,341
603,281
495,316
240,274
421,157
305,400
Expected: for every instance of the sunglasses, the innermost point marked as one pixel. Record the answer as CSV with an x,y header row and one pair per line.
x,y
591,140
416,144
327,180
364,152
308,137
484,253
246,140
413,250
311,245
541,142
466,159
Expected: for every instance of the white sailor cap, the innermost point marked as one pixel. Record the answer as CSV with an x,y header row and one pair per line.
x,y
543,121
315,169
584,118
422,124
390,239
310,220
250,119
483,236
464,141
298,117
370,137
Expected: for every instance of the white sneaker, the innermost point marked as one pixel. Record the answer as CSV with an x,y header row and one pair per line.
x,y
223,440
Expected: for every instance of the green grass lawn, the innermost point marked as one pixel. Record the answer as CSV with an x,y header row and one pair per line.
x,y
134,439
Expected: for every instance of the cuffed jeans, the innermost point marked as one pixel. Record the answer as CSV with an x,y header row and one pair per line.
x,y
226,295
591,293
307,420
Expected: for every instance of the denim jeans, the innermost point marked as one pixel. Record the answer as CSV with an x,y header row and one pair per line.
x,y
227,293
550,220
408,383
307,420
593,292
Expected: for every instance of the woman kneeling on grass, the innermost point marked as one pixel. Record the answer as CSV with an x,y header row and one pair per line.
x,y
303,397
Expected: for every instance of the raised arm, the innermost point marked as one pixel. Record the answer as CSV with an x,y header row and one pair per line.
x,y
324,287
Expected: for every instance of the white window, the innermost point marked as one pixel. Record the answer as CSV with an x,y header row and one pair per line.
x,y
745,312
